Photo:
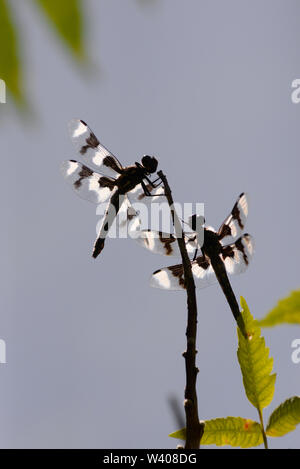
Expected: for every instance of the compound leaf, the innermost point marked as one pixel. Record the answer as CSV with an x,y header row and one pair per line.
x,y
255,363
10,71
66,17
231,431
284,418
286,311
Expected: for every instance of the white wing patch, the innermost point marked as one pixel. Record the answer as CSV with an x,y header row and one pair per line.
x,y
92,150
164,280
77,128
86,183
234,224
203,277
166,244
172,277
237,256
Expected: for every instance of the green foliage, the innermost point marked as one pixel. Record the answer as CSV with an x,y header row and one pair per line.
x,y
180,434
232,431
66,17
255,363
9,59
287,311
256,367
284,418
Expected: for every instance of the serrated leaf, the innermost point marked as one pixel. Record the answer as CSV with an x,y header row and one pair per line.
x,y
231,431
255,363
66,17
284,418
10,71
286,311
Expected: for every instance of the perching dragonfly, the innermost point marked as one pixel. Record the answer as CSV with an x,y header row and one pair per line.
x,y
116,182
222,253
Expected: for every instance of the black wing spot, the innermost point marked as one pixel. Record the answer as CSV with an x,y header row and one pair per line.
x,y
110,162
167,241
177,271
106,182
226,231
202,262
227,251
91,142
237,215
241,248
84,173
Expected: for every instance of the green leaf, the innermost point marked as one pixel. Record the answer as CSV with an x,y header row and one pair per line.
x,y
255,363
287,311
285,418
232,431
9,58
180,434
66,17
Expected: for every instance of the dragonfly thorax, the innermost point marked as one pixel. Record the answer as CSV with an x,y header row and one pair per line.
x,y
211,244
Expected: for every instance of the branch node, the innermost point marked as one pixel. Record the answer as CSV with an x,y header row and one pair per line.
x,y
188,403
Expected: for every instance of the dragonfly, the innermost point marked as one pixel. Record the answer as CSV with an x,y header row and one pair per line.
x,y
111,182
226,251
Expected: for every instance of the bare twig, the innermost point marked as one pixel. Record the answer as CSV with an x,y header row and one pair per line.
x,y
194,428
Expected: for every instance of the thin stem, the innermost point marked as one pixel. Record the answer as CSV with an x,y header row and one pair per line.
x,y
194,428
263,429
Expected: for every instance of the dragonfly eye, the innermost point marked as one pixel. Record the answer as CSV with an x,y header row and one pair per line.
x,y
150,163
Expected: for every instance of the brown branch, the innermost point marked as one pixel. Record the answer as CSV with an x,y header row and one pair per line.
x,y
194,428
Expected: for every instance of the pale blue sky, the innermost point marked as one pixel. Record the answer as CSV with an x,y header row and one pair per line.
x,y
93,352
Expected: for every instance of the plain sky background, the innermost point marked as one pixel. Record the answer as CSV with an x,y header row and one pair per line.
x,y
93,353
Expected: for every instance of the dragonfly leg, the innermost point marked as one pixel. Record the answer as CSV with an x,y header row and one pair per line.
x,y
195,255
155,180
152,183
146,190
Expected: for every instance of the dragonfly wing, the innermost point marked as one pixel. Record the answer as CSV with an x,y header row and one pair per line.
x,y
172,277
166,244
86,183
89,147
234,224
237,256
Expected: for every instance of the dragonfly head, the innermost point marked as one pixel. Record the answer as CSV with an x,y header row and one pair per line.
x,y
196,222
149,163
